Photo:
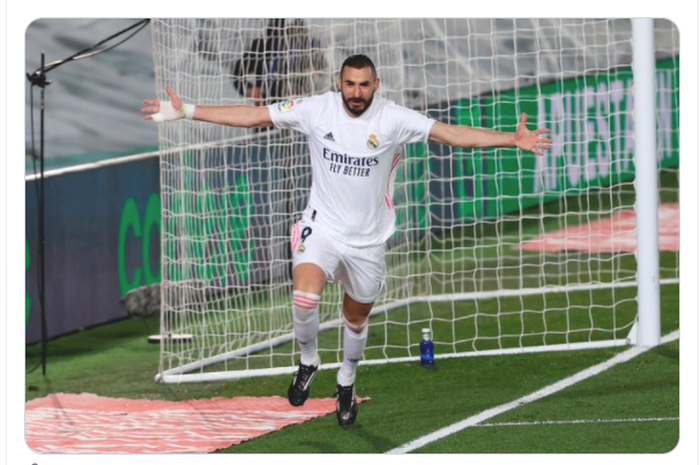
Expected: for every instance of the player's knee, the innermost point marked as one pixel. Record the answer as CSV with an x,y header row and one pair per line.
x,y
357,323
356,314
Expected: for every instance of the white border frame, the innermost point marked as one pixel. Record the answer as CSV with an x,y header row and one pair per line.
x,y
18,15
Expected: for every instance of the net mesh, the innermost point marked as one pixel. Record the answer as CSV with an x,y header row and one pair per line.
x,y
494,249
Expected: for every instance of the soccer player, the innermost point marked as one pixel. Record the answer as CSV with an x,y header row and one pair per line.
x,y
355,142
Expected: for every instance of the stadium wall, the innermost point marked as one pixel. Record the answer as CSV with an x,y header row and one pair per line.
x,y
102,233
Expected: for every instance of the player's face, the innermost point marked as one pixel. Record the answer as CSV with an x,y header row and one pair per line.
x,y
357,86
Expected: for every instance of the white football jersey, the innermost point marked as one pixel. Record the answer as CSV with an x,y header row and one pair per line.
x,y
353,162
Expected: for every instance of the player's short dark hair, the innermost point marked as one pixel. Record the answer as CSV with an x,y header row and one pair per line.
x,y
359,61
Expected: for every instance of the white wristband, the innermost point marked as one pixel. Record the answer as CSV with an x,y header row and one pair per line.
x,y
168,113
188,110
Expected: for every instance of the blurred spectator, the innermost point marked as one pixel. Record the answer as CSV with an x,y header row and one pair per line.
x,y
286,62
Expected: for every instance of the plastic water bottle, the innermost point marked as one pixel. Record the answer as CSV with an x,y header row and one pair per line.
x,y
427,352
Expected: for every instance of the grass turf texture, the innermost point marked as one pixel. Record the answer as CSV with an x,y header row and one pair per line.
x,y
644,388
408,401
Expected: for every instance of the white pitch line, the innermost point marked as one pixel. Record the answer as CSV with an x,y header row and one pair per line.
x,y
576,422
537,395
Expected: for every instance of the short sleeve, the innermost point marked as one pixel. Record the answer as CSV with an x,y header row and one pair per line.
x,y
409,125
297,114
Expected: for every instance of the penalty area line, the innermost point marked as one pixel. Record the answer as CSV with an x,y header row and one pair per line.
x,y
576,422
537,395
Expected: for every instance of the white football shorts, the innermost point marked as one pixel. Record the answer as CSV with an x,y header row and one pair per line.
x,y
359,269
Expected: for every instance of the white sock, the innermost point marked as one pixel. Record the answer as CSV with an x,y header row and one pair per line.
x,y
305,316
354,342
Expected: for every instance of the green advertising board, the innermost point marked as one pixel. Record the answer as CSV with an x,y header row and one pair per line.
x,y
592,127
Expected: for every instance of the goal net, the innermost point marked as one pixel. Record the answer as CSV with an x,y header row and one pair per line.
x,y
497,251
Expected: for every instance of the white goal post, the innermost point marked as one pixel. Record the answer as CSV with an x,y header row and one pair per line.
x,y
497,251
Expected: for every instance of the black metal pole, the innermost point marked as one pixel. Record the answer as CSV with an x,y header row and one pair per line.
x,y
38,78
42,261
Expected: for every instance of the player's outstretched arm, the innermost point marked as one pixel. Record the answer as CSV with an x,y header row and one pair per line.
x,y
473,138
241,116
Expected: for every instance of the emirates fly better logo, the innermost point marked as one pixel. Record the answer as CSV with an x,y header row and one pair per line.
x,y
347,165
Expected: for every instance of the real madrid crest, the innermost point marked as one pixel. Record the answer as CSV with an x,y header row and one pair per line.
x,y
372,142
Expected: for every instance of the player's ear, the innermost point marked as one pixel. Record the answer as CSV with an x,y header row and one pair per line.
x,y
376,84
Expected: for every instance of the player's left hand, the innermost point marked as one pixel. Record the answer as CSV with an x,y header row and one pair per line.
x,y
533,141
159,111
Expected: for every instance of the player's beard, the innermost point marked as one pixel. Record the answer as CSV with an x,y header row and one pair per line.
x,y
358,111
